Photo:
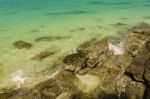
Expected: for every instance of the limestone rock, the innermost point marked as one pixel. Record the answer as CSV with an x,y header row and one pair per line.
x,y
92,62
70,68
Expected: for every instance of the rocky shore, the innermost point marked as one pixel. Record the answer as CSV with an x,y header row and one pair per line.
x,y
107,69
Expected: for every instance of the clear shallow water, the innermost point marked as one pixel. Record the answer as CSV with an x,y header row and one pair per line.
x,y
80,19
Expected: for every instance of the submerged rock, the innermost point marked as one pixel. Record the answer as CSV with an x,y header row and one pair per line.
x,y
51,38
22,44
140,26
43,55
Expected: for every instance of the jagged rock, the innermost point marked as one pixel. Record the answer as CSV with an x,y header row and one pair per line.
x,y
22,44
148,44
43,55
137,67
77,69
64,95
147,93
50,92
76,60
147,71
84,71
70,68
135,91
92,62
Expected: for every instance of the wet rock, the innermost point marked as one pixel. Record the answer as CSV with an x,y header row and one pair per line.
x,y
148,44
135,42
92,62
147,71
137,67
75,59
77,69
147,93
142,28
84,71
70,68
142,25
135,90
64,95
51,38
22,44
43,55
94,72
50,91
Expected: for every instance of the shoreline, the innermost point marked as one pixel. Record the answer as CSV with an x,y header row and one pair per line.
x,y
99,70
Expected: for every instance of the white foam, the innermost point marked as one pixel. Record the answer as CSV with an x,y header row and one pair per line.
x,y
73,51
53,75
117,49
18,77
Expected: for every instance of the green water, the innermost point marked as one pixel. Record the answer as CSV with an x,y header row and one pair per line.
x,y
80,19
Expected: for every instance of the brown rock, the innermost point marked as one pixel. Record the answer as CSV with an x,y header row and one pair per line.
x,y
84,71
75,59
148,44
70,68
92,62
147,71
135,91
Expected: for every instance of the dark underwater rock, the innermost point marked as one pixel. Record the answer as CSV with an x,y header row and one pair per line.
x,y
43,55
22,44
51,38
142,25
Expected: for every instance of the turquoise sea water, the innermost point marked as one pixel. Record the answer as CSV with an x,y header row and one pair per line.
x,y
79,19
